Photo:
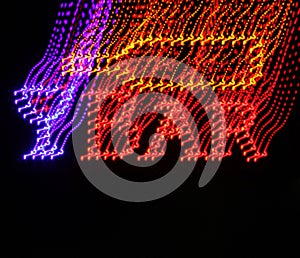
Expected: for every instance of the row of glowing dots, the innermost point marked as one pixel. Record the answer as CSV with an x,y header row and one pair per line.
x,y
157,145
273,133
43,141
232,83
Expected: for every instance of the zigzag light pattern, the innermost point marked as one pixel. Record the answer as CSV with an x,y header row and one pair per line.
x,y
247,51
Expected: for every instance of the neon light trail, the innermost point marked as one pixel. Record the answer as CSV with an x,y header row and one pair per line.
x,y
248,52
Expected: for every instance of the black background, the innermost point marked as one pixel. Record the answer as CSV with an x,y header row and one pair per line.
x,y
49,209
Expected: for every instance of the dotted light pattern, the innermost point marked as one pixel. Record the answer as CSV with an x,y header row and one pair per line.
x,y
47,97
247,51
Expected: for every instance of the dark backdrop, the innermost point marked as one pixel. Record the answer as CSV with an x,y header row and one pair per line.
x,y
49,209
